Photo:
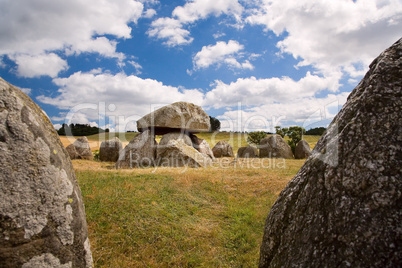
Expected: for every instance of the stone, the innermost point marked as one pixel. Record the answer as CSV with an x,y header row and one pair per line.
x,y
81,149
109,150
139,152
176,117
202,146
177,153
72,152
275,147
344,208
42,215
302,150
175,136
247,152
222,149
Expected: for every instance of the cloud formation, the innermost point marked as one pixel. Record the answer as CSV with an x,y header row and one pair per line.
x,y
172,29
219,53
126,98
33,30
332,36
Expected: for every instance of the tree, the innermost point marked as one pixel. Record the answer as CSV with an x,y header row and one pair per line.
x,y
256,137
294,133
215,124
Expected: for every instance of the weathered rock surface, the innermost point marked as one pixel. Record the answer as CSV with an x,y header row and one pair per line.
x,y
140,152
247,152
174,118
275,147
81,149
109,150
344,206
177,153
175,136
222,149
302,150
202,146
42,216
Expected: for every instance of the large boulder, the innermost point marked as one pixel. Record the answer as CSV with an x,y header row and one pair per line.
x,y
42,216
176,117
109,150
344,206
302,150
202,146
177,153
222,149
139,152
81,149
247,152
275,147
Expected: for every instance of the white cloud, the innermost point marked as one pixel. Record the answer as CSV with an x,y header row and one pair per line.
x,y
122,98
332,35
38,65
219,53
218,35
298,111
57,126
253,91
136,65
171,29
149,13
26,90
35,28
200,9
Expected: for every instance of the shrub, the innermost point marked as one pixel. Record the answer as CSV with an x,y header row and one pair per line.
x,y
294,133
256,137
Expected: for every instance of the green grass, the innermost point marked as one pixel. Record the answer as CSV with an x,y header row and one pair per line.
x,y
169,217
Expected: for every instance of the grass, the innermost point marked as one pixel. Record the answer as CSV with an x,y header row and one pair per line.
x,y
162,217
181,217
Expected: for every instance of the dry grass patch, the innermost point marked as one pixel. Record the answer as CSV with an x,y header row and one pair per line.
x,y
163,217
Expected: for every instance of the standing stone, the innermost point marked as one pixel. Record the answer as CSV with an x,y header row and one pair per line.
x,y
222,149
176,117
202,146
344,206
140,152
302,150
177,153
247,152
110,149
275,147
81,149
42,216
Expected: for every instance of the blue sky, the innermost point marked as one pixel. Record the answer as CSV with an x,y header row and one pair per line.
x,y
252,64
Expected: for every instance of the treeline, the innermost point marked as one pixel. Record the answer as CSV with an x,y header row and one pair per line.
x,y
318,131
79,130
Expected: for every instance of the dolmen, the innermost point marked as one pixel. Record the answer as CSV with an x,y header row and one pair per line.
x,y
42,215
344,207
179,146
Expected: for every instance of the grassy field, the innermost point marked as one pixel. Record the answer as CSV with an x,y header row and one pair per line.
x,y
181,217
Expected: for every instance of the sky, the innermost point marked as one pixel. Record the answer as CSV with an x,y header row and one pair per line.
x,y
252,64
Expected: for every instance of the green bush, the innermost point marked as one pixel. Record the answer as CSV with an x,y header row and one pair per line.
x,y
256,137
294,133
